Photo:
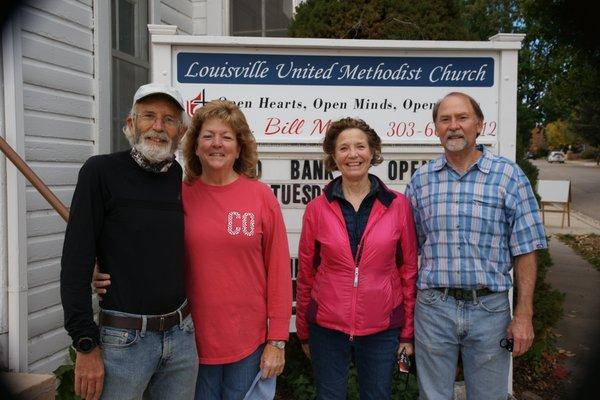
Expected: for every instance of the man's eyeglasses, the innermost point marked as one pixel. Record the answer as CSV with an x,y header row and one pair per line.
x,y
150,119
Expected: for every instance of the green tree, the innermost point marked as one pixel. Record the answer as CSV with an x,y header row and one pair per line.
x,y
567,33
379,19
559,134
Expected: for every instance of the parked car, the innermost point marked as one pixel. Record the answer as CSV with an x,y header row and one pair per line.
x,y
556,156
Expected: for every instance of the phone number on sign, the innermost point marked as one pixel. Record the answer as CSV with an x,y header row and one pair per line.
x,y
410,129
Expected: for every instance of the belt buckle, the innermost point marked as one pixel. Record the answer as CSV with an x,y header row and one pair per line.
x,y
161,324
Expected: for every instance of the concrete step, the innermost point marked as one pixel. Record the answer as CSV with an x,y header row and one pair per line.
x,y
25,386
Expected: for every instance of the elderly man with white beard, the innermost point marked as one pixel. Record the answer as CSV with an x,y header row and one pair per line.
x,y
126,216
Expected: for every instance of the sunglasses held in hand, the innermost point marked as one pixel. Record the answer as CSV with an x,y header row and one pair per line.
x,y
507,344
403,362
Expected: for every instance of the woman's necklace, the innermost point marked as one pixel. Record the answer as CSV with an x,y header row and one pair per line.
x,y
356,198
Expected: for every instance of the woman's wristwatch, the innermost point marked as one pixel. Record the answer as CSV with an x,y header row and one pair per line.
x,y
280,344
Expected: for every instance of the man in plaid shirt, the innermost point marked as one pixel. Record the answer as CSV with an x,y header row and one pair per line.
x,y
476,217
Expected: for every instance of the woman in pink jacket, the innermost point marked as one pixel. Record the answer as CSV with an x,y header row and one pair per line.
x,y
358,265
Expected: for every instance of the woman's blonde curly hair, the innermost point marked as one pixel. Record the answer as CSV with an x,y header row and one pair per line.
x,y
230,114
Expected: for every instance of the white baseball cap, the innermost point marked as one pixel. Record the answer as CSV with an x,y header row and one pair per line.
x,y
158,88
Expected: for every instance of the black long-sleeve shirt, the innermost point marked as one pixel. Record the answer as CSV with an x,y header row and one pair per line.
x,y
130,221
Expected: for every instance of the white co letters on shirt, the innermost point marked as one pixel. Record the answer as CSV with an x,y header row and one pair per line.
x,y
238,222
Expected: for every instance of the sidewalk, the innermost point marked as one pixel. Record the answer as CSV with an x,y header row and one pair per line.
x,y
580,224
587,163
579,329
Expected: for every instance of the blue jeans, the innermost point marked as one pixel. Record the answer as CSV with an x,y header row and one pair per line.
x,y
374,357
443,327
149,364
228,381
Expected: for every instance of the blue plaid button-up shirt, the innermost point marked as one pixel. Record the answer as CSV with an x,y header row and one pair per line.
x,y
471,226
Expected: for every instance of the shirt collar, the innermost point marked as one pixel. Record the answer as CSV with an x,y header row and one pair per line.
x,y
484,162
146,165
336,189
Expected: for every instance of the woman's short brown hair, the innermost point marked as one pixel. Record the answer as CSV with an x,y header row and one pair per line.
x,y
229,113
341,125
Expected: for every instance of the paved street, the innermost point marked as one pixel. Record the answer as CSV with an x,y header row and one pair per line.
x,y
585,183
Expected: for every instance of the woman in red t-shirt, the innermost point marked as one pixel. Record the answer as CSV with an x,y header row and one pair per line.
x,y
237,256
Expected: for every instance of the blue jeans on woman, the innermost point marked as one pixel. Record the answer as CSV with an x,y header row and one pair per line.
x,y
149,364
228,381
443,327
374,357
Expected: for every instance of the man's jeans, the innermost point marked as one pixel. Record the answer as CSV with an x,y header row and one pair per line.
x,y
374,356
228,381
149,364
443,327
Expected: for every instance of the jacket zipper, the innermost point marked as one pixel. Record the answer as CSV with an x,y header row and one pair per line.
x,y
355,286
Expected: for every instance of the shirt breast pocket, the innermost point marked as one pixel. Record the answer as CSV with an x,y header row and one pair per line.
x,y
489,209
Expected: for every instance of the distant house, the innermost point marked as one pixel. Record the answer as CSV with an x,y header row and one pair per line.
x,y
69,71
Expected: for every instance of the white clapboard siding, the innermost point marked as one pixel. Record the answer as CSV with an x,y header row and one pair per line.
x,y
45,320
57,101
56,77
46,222
49,364
199,18
178,12
47,344
65,9
43,296
36,202
44,247
36,47
52,27
56,173
51,149
39,123
42,272
58,98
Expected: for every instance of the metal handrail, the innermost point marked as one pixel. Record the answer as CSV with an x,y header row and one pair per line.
x,y
34,179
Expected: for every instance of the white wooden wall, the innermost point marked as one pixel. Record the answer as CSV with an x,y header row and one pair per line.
x,y
195,17
58,114
180,13
56,66
3,232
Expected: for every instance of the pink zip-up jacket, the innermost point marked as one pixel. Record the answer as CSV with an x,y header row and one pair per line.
x,y
364,295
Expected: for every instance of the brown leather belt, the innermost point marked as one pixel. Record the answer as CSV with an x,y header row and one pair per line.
x,y
153,323
465,294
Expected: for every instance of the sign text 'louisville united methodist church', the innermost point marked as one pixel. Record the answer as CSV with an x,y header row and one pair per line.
x,y
265,69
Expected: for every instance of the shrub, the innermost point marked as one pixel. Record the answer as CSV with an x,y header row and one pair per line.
x,y
590,153
548,310
66,375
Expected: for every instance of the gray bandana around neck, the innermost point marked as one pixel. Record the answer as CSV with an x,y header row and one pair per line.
x,y
146,165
